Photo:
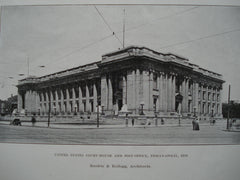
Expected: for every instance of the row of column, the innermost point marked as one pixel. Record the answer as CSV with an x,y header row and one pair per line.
x,y
166,89
137,88
209,102
80,104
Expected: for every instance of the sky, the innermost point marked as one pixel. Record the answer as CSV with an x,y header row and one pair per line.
x,y
62,37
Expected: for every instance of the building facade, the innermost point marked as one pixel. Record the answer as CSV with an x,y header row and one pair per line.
x,y
135,79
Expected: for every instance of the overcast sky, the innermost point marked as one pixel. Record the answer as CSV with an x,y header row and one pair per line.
x,y
61,37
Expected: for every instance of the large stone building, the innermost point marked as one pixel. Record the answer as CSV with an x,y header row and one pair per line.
x,y
136,79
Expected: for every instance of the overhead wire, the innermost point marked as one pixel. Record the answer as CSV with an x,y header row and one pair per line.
x,y
157,19
197,39
77,50
109,27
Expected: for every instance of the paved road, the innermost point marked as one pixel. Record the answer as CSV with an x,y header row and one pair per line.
x,y
167,134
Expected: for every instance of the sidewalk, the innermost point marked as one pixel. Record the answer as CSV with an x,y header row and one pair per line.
x,y
75,125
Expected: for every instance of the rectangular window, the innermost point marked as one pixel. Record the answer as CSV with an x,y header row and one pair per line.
x,y
203,108
83,91
155,84
90,89
54,95
92,106
76,89
59,94
70,93
209,95
60,107
64,94
44,96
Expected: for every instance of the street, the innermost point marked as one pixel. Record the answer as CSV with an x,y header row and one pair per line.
x,y
139,135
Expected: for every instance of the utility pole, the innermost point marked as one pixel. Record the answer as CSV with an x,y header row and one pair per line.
x,y
228,114
123,28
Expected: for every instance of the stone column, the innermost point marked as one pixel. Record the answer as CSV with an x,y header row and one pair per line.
x,y
87,99
220,102
73,99
165,93
57,100
80,99
158,87
134,92
169,93
68,100
104,91
195,96
151,91
26,101
62,101
124,88
137,94
95,95
210,99
146,88
183,92
110,94
47,103
173,92
161,90
130,90
51,98
20,102
186,95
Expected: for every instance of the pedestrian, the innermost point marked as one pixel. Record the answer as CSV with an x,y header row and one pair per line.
x,y
33,120
162,121
214,121
132,121
126,120
195,124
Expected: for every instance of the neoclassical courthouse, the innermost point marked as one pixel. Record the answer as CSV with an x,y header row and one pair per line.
x,y
136,80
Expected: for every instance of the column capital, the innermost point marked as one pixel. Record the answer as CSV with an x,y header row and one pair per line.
x,y
173,73
161,73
